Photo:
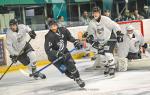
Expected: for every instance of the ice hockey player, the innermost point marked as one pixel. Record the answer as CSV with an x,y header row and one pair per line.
x,y
56,47
103,34
16,42
134,43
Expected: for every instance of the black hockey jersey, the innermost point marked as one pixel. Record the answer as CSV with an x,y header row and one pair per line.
x,y
57,41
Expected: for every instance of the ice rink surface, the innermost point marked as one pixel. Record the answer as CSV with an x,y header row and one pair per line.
x,y
132,82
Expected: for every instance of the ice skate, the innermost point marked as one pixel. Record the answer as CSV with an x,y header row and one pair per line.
x,y
106,72
36,74
112,72
80,82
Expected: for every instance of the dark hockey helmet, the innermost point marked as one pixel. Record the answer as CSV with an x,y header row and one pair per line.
x,y
96,9
52,22
13,21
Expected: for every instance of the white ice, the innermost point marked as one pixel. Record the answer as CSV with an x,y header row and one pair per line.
x,y
133,82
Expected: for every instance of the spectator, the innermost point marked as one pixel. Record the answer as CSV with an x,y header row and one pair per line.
x,y
107,13
132,15
137,16
145,13
84,18
127,16
61,21
119,18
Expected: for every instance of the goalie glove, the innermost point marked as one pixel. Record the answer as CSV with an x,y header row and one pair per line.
x,y
119,36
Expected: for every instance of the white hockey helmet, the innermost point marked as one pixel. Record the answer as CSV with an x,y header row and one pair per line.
x,y
130,27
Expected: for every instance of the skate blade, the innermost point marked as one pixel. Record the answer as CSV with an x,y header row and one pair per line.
x,y
92,69
37,78
111,76
31,76
106,75
42,76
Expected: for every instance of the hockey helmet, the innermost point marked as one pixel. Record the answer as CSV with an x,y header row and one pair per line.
x,y
52,22
13,21
130,27
96,9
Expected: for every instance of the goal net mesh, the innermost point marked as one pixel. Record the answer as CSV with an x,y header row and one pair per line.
x,y
137,24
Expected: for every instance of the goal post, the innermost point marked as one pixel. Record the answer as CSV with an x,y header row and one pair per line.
x,y
137,24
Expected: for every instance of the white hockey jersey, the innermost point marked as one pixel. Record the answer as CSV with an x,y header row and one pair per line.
x,y
131,43
102,30
16,40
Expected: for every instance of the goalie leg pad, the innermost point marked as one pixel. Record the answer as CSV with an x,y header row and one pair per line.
x,y
122,64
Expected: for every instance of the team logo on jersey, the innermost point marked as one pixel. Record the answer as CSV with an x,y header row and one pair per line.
x,y
19,39
61,45
50,44
99,31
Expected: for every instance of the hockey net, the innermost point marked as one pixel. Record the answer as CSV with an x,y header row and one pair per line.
x,y
137,24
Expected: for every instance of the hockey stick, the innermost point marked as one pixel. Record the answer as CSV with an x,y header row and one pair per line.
x,y
113,40
17,58
50,64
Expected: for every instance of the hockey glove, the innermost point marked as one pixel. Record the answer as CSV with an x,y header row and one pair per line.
x,y
78,45
61,54
145,45
32,34
119,36
13,58
90,39
95,44
85,35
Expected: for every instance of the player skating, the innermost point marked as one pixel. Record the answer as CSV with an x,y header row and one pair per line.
x,y
103,33
56,47
16,43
